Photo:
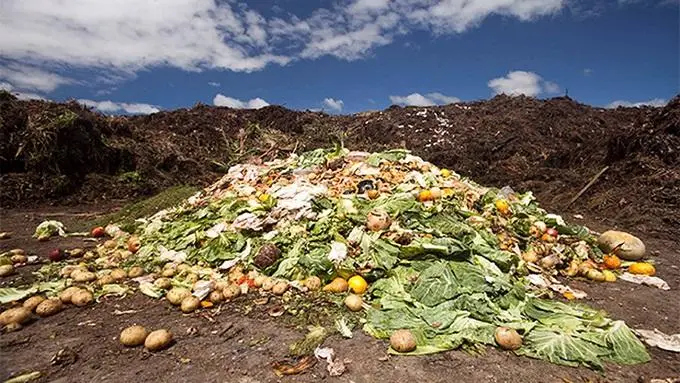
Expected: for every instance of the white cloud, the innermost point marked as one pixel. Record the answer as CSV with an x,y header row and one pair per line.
x,y
31,78
587,72
255,103
334,105
119,38
214,83
653,102
417,99
20,95
113,107
522,83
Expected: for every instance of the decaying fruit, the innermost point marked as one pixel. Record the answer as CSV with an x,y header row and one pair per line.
x,y
176,295
507,338
15,315
357,284
609,276
611,262
133,336
55,255
267,256
642,268
49,307
373,194
624,245
98,232
403,341
530,256
595,275
82,298
33,302
378,220
502,206
158,340
338,285
425,196
190,304
550,261
313,283
354,302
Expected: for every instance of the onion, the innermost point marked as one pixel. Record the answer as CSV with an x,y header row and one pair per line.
x,y
508,338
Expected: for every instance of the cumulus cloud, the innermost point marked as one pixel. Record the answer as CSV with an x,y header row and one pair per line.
x,y
214,83
658,102
125,36
31,78
118,107
522,83
417,99
20,95
334,105
255,103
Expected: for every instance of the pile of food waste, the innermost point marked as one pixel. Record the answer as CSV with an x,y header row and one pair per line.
x,y
428,259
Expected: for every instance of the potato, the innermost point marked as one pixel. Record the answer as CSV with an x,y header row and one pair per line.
x,y
183,267
403,341
508,338
313,283
230,292
49,307
17,252
6,270
158,340
627,246
135,272
110,244
33,302
216,296
191,278
354,302
15,315
82,298
67,270
83,276
65,296
11,327
19,258
106,279
268,284
220,285
190,304
169,272
133,336
162,283
118,274
259,280
280,288
176,295
76,253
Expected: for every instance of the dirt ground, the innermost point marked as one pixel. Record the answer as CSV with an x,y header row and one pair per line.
x,y
228,344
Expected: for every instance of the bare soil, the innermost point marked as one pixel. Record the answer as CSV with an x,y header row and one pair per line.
x,y
232,344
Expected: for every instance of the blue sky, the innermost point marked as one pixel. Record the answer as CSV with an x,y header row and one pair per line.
x,y
136,56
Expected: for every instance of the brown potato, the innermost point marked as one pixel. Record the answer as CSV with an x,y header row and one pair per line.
x,y
403,341
280,288
158,340
230,292
169,272
313,283
163,283
33,302
133,336
216,296
176,295
15,315
83,276
49,307
508,338
220,285
82,298
135,271
19,258
106,279
118,274
190,304
65,296
6,270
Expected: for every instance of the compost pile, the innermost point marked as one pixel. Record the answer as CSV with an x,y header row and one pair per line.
x,y
408,245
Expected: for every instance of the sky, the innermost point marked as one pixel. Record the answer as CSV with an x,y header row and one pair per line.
x,y
143,56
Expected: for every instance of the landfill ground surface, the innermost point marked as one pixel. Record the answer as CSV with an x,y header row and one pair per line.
x,y
233,346
63,162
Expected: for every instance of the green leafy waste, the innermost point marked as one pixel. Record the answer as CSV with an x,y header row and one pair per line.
x,y
444,270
